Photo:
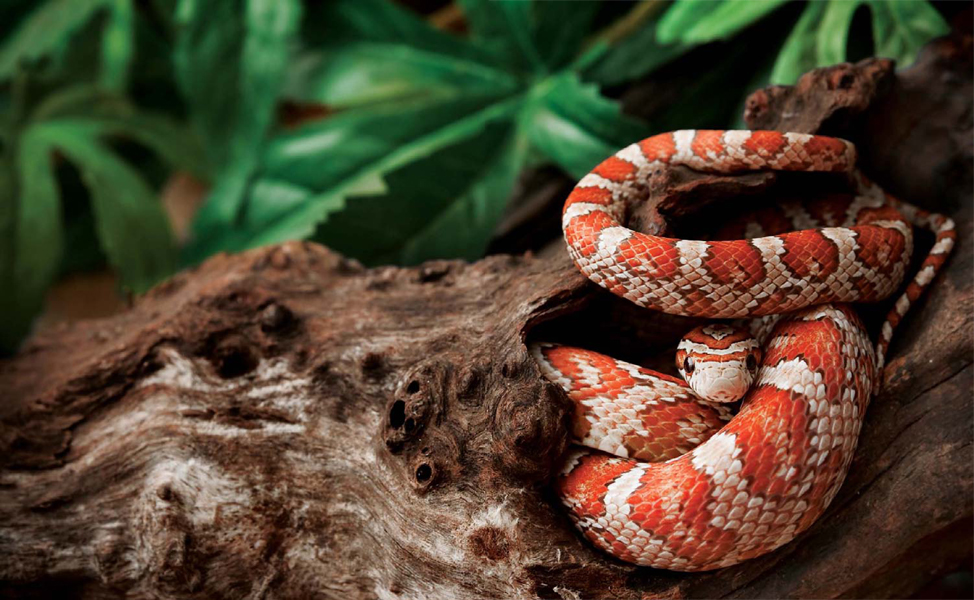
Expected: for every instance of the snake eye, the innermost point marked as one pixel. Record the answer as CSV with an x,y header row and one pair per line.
x,y
751,363
688,365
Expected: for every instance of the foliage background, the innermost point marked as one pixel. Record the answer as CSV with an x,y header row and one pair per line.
x,y
413,122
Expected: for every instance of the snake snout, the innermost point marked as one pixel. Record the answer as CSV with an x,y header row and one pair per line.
x,y
720,381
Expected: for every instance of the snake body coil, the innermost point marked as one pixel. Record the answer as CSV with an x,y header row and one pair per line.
x,y
731,488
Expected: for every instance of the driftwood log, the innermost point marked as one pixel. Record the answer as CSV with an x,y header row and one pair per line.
x,y
285,423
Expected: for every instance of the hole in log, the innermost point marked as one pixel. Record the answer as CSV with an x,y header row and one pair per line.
x,y
413,387
374,365
433,273
409,425
423,473
397,416
236,362
164,492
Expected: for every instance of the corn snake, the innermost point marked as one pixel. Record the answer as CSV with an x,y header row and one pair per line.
x,y
731,488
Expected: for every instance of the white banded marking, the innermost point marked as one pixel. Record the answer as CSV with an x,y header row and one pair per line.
x,y
712,455
617,493
735,348
634,154
683,140
597,181
611,237
925,276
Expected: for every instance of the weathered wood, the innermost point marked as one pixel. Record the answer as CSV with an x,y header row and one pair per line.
x,y
285,423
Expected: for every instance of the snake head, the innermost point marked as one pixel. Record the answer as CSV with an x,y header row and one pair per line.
x,y
720,362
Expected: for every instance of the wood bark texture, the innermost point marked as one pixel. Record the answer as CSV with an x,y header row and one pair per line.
x,y
285,423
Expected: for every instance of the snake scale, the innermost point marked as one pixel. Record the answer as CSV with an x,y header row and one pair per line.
x,y
668,479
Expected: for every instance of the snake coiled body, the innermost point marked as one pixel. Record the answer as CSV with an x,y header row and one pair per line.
x,y
731,488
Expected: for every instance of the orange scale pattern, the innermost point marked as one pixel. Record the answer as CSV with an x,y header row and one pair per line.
x,y
757,481
733,263
648,416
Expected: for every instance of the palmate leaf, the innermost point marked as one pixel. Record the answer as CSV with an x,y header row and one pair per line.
x,y
369,72
411,93
308,173
820,37
505,28
374,51
444,205
132,227
333,25
39,243
48,26
464,227
559,34
231,57
530,37
832,32
52,27
30,230
109,205
576,127
347,155
391,135
114,116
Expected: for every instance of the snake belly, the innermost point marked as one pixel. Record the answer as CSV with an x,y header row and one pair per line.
x,y
762,478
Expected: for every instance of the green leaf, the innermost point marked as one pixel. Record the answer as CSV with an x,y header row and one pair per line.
x,y
32,236
131,224
80,232
206,57
11,12
115,116
171,140
17,323
575,126
50,25
368,72
798,54
233,86
337,23
464,228
901,28
346,155
325,153
505,28
118,45
363,172
833,32
39,219
821,36
634,56
560,30
701,21
283,212
464,191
